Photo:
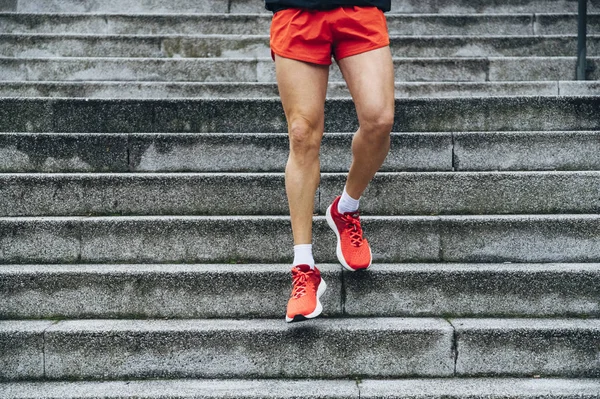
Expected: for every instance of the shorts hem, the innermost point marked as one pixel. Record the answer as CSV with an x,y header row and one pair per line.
x,y
296,57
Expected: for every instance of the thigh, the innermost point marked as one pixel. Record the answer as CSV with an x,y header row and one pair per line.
x,y
302,87
370,79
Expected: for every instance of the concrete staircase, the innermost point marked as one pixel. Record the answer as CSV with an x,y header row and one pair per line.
x,y
131,265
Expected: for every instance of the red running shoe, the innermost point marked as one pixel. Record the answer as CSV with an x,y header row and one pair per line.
x,y
307,287
353,251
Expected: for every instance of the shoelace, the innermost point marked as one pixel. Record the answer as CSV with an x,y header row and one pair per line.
x,y
300,279
354,229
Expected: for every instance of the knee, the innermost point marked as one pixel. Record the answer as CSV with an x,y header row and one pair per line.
x,y
378,123
305,137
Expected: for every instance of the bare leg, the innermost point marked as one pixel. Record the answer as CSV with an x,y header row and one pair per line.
x,y
370,78
302,87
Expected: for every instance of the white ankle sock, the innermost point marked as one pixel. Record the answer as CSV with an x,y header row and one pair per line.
x,y
347,203
303,255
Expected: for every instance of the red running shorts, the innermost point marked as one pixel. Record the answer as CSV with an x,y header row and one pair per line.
x,y
315,35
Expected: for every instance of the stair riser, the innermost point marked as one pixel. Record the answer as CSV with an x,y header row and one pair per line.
x,y
247,349
266,116
263,70
516,347
322,348
165,90
196,291
543,238
409,25
505,151
250,194
253,6
239,47
444,388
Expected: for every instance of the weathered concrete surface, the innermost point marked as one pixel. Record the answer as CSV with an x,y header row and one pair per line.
x,y
433,193
202,239
257,46
420,193
252,6
527,150
463,388
269,152
321,348
476,25
186,389
155,291
535,238
22,350
493,388
142,194
39,240
55,152
123,6
528,347
419,115
449,69
474,290
165,90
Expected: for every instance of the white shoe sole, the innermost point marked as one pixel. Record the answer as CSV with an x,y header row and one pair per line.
x,y
338,249
318,309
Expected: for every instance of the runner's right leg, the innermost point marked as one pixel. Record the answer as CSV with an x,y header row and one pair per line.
x,y
303,87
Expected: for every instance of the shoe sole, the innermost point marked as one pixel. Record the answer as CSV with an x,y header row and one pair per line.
x,y
318,308
338,249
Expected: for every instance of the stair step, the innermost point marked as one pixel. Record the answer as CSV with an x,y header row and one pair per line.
x,y
198,291
237,46
322,348
189,152
475,25
443,388
325,348
252,6
236,90
204,239
408,193
266,115
467,69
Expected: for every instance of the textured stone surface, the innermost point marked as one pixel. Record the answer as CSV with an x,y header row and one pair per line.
x,y
527,150
408,193
520,24
57,152
245,6
527,347
535,238
486,6
261,348
142,194
493,388
155,291
477,290
473,193
186,389
386,290
537,68
237,46
556,24
200,239
22,350
166,90
463,388
579,88
269,152
40,240
418,115
124,6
